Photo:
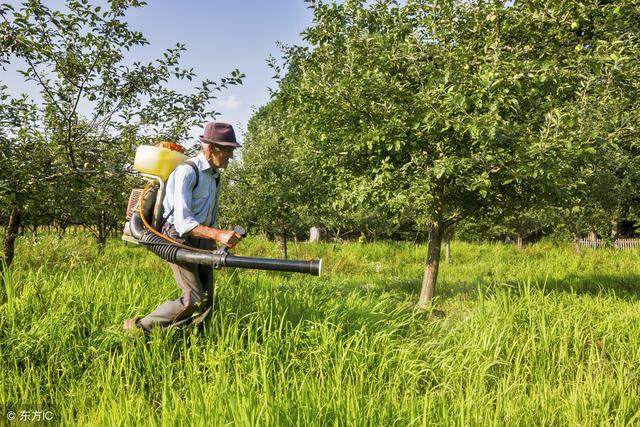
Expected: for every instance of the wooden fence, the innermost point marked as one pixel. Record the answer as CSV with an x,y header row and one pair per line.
x,y
618,244
626,243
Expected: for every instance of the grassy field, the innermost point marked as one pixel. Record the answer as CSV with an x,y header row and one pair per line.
x,y
539,336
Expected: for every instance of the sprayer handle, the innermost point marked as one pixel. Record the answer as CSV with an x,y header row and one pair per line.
x,y
238,229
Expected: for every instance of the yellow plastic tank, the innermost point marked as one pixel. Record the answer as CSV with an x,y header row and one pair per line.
x,y
157,161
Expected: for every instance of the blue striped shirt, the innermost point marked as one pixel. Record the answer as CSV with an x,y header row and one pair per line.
x,y
192,206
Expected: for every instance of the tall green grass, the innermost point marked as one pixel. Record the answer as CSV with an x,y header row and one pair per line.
x,y
540,336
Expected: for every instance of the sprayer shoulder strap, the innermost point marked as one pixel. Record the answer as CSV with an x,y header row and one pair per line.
x,y
195,169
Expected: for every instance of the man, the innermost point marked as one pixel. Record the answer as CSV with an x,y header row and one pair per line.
x,y
191,211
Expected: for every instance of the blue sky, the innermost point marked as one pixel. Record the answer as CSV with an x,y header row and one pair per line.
x,y
220,36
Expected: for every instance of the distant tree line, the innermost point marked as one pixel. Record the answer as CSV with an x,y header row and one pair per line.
x,y
421,117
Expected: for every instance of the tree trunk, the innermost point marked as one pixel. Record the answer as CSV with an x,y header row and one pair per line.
x,y
519,241
101,237
447,247
61,231
615,229
431,268
433,256
13,227
283,237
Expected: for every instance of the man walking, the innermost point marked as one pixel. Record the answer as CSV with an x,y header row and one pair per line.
x,y
191,217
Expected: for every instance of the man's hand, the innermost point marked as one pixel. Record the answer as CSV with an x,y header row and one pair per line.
x,y
229,238
226,237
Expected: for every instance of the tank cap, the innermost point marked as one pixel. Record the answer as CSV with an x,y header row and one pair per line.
x,y
171,145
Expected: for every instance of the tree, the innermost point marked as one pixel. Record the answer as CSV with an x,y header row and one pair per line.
x,y
447,107
17,123
93,108
273,187
596,194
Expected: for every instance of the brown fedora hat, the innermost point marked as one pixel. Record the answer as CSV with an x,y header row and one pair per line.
x,y
220,134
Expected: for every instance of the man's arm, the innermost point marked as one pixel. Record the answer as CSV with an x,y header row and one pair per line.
x,y
184,220
226,237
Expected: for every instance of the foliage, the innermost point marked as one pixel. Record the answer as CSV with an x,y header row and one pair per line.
x,y
431,113
66,157
271,189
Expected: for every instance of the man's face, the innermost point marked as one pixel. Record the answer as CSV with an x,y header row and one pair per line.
x,y
219,156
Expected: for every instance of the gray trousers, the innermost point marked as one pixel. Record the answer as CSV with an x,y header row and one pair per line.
x,y
195,281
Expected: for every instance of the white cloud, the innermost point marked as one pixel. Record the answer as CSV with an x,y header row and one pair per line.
x,y
230,103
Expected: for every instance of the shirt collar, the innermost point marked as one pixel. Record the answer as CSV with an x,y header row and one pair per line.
x,y
203,163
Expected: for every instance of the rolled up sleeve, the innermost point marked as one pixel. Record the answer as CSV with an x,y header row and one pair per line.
x,y
183,217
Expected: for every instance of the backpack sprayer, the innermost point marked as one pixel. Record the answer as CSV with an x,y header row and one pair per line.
x,y
144,217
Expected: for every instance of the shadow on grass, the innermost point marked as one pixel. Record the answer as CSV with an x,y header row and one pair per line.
x,y
375,305
623,286
343,309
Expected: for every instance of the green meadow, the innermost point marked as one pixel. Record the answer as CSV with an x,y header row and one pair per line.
x,y
536,336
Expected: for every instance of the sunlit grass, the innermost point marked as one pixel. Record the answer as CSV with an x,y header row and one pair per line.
x,y
540,336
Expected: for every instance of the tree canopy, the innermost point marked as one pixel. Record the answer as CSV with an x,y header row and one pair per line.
x,y
429,113
66,151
